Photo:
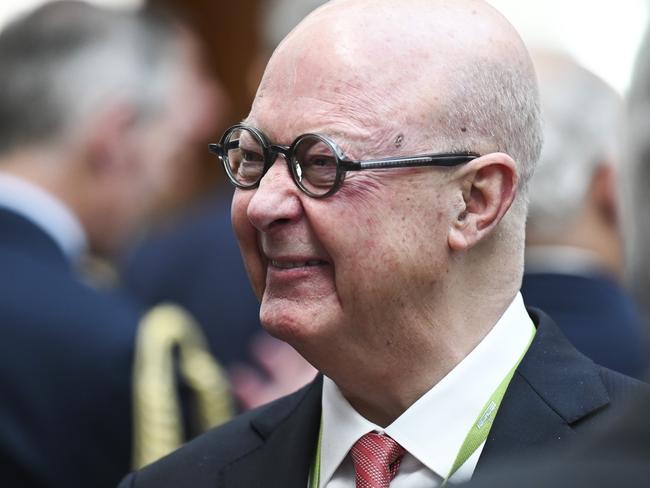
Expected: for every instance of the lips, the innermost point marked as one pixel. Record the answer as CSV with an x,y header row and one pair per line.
x,y
283,264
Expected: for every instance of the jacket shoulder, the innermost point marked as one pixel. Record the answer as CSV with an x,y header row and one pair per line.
x,y
622,388
199,462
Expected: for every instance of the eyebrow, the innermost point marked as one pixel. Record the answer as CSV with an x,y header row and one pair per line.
x,y
339,137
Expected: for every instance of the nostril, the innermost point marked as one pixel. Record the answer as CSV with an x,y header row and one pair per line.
x,y
279,223
275,202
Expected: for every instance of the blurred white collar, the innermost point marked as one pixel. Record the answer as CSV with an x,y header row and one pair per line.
x,y
563,260
46,211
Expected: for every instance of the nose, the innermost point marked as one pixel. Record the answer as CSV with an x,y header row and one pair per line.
x,y
276,200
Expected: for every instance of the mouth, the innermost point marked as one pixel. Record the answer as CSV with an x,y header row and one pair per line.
x,y
282,264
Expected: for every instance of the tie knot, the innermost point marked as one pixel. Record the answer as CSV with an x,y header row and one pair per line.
x,y
376,459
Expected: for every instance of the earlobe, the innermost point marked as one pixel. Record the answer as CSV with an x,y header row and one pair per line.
x,y
106,137
457,239
488,186
602,192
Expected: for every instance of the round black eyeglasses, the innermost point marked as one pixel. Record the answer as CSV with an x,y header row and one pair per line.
x,y
316,163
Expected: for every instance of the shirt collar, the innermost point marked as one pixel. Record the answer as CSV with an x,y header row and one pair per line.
x,y
44,210
435,426
564,260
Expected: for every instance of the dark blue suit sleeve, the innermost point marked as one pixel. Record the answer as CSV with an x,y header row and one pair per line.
x,y
128,481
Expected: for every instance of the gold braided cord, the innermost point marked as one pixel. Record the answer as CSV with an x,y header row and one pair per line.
x,y
157,423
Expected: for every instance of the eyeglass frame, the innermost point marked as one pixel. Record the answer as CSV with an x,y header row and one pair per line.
x,y
343,164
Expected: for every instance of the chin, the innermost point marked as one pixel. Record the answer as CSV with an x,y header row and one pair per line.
x,y
293,322
282,324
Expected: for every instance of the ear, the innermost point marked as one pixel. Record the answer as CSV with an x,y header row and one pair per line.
x,y
106,138
602,193
488,186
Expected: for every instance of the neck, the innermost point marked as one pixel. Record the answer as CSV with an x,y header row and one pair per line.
x,y
44,167
416,364
58,173
590,233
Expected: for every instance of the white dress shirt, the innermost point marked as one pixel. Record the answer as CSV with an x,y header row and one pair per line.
x,y
44,210
433,429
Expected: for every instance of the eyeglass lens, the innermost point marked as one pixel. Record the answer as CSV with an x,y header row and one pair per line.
x,y
313,162
245,156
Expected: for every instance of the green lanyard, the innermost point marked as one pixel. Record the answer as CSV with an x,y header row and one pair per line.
x,y
475,437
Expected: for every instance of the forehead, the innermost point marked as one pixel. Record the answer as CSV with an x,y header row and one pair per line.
x,y
362,122
301,115
319,86
291,104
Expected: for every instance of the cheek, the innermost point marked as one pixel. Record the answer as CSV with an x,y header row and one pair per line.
x,y
240,221
247,238
402,245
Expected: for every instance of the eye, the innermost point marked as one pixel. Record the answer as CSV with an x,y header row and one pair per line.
x,y
320,170
246,161
250,156
321,161
250,165
317,163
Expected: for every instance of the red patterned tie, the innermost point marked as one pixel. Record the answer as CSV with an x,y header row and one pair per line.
x,y
376,459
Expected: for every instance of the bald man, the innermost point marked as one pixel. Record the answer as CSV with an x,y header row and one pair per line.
x,y
380,209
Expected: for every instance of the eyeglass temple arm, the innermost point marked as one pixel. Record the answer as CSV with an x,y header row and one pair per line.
x,y
445,159
219,149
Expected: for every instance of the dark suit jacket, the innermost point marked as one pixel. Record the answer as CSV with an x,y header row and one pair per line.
x,y
555,394
616,455
65,359
596,315
196,263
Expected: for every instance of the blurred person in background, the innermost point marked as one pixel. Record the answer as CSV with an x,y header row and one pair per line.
x,y
574,243
94,105
195,262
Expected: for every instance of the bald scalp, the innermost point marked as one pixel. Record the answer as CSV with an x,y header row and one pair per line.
x,y
446,74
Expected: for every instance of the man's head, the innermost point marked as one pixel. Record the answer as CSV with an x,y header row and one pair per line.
x,y
395,259
573,194
94,105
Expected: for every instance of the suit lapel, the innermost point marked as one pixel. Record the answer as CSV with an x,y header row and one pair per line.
x,y
286,451
554,387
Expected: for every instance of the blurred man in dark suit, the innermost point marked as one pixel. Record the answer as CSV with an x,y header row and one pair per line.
x,y
93,106
380,209
574,246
